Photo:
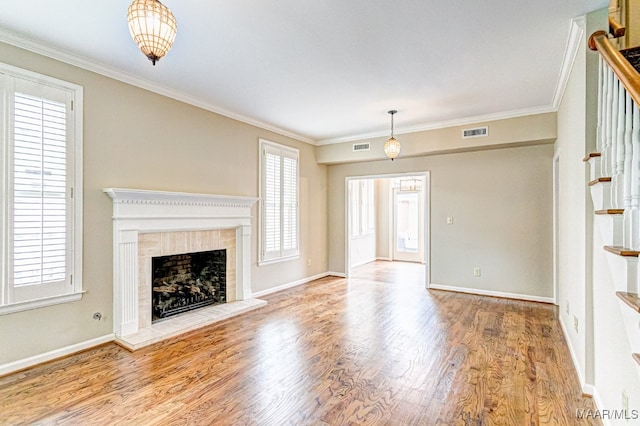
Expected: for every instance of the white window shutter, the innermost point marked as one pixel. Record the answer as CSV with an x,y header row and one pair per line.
x,y
272,204
279,209
289,204
39,191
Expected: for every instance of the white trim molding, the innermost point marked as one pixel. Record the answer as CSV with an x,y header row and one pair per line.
x,y
138,211
12,367
290,285
587,388
574,43
491,293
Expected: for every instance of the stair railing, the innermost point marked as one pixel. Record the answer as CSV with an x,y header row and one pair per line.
x,y
618,133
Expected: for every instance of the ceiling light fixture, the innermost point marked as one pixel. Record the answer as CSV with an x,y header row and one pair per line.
x,y
153,27
392,146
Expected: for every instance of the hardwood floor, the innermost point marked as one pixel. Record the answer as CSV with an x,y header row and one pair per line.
x,y
375,349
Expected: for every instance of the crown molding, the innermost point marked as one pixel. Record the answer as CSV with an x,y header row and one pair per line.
x,y
575,40
67,57
444,124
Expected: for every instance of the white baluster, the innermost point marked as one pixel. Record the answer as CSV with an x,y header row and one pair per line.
x,y
635,178
608,94
600,101
613,128
628,157
618,187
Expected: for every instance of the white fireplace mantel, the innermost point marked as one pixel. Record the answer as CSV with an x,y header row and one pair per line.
x,y
142,211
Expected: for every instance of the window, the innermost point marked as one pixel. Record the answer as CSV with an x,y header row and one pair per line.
x,y
363,218
279,238
40,153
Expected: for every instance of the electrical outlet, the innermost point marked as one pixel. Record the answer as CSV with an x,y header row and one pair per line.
x,y
575,323
308,262
449,220
625,402
567,308
477,271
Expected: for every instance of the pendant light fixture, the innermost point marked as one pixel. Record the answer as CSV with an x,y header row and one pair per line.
x,y
153,28
392,146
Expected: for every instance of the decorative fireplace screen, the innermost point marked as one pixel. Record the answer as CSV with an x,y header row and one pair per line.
x,y
184,282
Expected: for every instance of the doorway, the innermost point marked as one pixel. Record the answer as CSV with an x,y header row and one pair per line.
x,y
400,220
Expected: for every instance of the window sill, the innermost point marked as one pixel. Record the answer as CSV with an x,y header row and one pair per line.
x,y
278,260
39,303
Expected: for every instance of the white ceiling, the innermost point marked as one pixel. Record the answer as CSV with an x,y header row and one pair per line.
x,y
328,70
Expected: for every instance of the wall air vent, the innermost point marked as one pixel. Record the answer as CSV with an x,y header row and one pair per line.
x,y
478,132
361,147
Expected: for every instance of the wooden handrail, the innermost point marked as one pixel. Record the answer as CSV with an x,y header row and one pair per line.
x,y
616,29
627,75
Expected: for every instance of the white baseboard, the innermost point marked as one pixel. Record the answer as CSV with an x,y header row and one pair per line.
x,y
587,388
337,274
386,259
481,292
21,364
289,285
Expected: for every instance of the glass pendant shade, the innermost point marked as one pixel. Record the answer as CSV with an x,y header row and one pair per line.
x,y
153,27
392,148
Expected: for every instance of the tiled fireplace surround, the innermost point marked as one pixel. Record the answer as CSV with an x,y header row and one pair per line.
x,y
157,223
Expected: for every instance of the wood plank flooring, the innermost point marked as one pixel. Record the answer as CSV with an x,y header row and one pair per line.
x,y
374,349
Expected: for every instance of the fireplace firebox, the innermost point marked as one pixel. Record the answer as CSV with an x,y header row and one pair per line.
x,y
184,282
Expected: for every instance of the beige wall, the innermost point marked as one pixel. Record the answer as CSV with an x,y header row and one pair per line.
x,y
383,218
632,18
572,205
137,139
501,203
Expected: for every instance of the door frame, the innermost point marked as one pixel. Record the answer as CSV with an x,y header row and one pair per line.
x,y
556,221
427,218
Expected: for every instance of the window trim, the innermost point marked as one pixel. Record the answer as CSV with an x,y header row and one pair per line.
x,y
75,167
265,145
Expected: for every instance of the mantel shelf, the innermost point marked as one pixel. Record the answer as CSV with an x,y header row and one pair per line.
x,y
144,196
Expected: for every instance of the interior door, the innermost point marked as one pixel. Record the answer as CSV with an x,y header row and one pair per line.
x,y
408,229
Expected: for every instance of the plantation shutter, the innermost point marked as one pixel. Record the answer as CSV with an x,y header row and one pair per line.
x,y
272,203
39,213
290,205
280,202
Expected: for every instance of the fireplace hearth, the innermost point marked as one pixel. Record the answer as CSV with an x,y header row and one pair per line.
x,y
184,282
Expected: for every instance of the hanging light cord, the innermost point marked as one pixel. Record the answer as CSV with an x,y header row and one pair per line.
x,y
392,112
392,124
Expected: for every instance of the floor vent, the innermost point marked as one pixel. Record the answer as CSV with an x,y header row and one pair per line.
x,y
361,147
475,133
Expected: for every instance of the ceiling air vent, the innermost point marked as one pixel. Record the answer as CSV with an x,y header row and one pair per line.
x,y
475,133
361,147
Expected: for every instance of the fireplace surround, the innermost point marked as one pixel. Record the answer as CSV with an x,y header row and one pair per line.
x,y
158,223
